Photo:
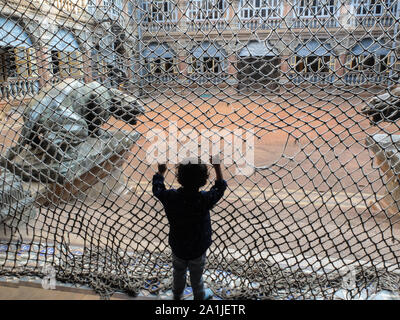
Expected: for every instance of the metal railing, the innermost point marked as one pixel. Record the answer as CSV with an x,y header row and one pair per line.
x,y
268,23
161,78
160,26
207,25
75,7
260,24
203,78
104,12
312,77
314,22
360,78
18,88
371,21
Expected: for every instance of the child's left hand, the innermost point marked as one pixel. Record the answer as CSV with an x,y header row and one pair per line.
x,y
215,160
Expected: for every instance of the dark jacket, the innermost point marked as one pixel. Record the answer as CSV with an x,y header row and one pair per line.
x,y
188,214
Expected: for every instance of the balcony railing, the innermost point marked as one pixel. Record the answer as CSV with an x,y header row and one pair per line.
x,y
75,7
207,25
260,24
18,88
353,78
104,12
360,78
314,22
160,26
162,78
201,78
272,23
373,21
312,77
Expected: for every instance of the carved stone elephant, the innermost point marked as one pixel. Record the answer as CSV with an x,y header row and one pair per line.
x,y
385,107
65,115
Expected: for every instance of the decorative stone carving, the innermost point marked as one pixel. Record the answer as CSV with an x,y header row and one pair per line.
x,y
385,107
62,133
16,204
386,149
63,149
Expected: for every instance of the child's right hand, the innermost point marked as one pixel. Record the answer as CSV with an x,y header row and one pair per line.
x,y
162,168
216,163
215,160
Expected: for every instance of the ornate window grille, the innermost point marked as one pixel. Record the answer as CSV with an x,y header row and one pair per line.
x,y
207,9
251,9
17,62
159,11
373,7
315,8
66,64
112,7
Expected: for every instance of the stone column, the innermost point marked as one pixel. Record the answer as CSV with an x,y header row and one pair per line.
x,y
286,54
232,67
182,63
130,60
286,47
42,35
43,61
234,19
181,8
285,67
86,42
340,63
86,66
286,15
183,55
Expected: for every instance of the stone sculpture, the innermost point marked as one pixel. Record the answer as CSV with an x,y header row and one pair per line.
x,y
16,204
62,140
386,150
385,107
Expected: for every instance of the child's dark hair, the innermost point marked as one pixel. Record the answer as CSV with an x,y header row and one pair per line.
x,y
192,175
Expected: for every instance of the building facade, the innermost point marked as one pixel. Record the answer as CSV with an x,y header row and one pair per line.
x,y
42,42
38,46
278,42
243,43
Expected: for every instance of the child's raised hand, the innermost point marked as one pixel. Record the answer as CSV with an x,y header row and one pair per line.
x,y
162,168
216,163
215,160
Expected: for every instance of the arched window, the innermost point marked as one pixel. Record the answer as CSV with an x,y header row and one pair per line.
x,y
373,7
369,55
159,60
159,11
260,9
313,57
258,65
66,58
112,7
17,56
315,8
208,59
207,9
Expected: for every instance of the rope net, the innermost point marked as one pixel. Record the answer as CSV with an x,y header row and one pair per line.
x,y
301,96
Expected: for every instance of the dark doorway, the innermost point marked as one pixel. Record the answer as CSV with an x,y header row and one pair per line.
x,y
255,73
